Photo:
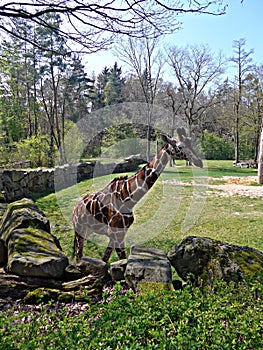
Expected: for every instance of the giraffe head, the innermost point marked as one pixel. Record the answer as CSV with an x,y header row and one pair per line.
x,y
183,149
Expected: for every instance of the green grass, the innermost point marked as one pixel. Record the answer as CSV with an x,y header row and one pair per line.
x,y
169,212
227,316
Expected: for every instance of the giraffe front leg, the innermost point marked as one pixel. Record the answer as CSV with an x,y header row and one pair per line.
x,y
119,245
107,253
79,241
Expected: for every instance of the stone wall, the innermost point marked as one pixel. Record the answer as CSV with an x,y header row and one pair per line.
x,y
19,183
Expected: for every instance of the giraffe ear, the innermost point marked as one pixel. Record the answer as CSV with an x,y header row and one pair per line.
x,y
167,139
164,138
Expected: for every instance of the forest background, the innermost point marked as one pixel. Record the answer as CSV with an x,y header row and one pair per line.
x,y
45,88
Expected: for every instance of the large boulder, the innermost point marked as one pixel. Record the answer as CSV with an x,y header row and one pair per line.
x,y
31,249
33,252
22,214
148,265
205,260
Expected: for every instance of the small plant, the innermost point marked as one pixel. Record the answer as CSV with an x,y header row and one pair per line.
x,y
117,289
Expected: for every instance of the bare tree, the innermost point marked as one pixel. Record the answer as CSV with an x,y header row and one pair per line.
x,y
196,70
243,61
260,156
146,61
93,25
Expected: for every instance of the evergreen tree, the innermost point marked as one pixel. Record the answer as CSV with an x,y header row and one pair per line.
x,y
79,91
12,102
113,87
102,80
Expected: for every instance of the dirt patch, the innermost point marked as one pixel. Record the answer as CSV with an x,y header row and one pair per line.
x,y
240,180
243,186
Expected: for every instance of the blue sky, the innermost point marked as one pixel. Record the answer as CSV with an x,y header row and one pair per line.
x,y
241,21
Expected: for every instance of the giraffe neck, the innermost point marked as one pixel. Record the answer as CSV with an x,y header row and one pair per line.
x,y
139,184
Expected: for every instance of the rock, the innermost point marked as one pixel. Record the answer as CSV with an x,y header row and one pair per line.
x,y
72,272
117,270
3,253
21,214
205,260
86,287
17,287
33,252
137,159
31,249
92,266
92,273
146,264
2,197
85,267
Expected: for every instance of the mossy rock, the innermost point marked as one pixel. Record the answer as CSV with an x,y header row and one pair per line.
x,y
3,207
45,295
22,214
204,260
34,252
249,260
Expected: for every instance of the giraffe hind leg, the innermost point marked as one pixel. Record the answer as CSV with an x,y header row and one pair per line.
x,y
119,244
78,246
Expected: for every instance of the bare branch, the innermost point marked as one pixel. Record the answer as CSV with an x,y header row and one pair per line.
x,y
93,26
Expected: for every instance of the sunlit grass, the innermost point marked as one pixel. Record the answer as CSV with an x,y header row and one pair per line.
x,y
170,211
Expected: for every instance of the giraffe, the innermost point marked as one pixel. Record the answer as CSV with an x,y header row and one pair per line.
x,y
110,210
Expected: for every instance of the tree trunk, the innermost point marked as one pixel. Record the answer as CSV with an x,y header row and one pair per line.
x,y
260,156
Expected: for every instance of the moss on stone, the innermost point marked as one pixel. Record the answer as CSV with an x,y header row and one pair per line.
x,y
2,198
203,260
33,242
22,203
64,297
45,295
154,287
22,218
250,262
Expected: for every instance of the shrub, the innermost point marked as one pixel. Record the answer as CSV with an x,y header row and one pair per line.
x,y
35,149
215,147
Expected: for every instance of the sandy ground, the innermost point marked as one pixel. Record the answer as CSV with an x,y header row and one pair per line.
x,y
243,186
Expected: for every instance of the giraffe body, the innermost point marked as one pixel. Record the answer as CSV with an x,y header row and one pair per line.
x,y
109,211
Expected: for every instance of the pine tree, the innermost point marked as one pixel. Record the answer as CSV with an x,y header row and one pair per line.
x,y
113,88
79,92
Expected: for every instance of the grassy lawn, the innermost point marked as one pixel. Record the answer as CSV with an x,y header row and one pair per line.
x,y
227,316
169,212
